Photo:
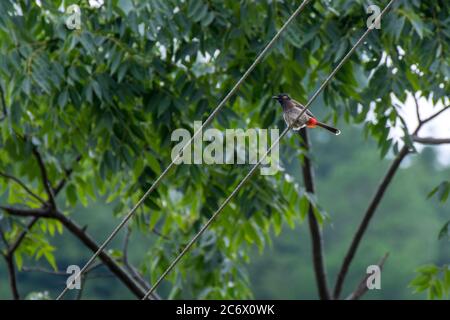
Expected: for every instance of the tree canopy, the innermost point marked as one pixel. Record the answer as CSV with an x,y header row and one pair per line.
x,y
88,114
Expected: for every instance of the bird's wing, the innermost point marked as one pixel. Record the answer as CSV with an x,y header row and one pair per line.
x,y
301,106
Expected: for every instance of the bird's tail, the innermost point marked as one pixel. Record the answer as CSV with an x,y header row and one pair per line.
x,y
327,127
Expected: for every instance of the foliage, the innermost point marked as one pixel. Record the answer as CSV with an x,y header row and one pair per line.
x,y
435,280
113,91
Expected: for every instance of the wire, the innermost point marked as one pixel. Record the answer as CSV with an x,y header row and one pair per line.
x,y
255,167
207,121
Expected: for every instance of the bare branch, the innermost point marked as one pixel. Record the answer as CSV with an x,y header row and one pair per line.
x,y
314,227
436,114
430,140
366,220
20,183
13,247
159,234
78,231
361,289
416,102
44,270
131,269
86,239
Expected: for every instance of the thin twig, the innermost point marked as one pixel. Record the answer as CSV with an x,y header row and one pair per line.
x,y
430,140
160,234
419,120
131,269
362,288
13,247
20,183
45,179
44,270
436,114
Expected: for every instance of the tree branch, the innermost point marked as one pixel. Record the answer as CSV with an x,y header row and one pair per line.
x,y
366,219
361,289
43,270
86,239
40,213
112,265
132,270
13,247
20,183
12,277
10,267
435,115
45,179
104,257
416,102
430,140
314,227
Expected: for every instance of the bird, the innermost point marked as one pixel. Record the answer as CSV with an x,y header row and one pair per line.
x,y
292,110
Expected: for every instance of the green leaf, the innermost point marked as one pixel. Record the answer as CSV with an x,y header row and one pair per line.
x,y
18,259
444,232
71,194
50,259
442,191
63,97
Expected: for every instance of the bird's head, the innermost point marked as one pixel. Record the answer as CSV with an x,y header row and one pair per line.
x,y
281,98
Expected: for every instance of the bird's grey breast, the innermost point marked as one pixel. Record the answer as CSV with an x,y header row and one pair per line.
x,y
290,116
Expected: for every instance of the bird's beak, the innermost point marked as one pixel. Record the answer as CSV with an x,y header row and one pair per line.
x,y
275,97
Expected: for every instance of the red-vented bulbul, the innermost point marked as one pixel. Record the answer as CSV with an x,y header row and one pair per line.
x,y
291,111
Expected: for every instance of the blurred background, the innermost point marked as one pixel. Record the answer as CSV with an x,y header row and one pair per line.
x,y
91,91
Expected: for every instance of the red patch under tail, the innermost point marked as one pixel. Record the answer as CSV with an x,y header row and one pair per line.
x,y
312,123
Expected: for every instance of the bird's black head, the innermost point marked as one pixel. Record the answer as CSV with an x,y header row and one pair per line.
x,y
282,97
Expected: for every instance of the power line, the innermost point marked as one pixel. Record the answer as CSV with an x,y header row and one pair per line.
x,y
255,167
207,121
